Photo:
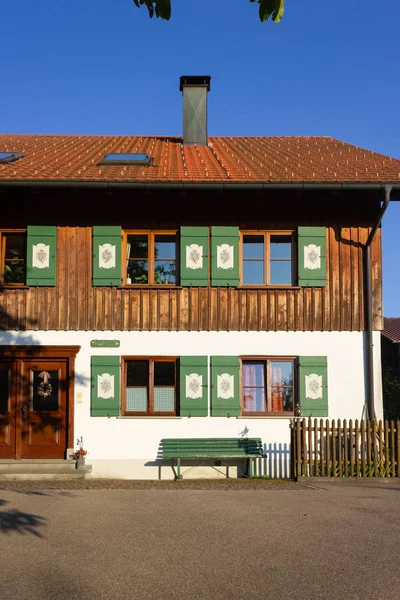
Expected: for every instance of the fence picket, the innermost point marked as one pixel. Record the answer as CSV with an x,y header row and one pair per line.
x,y
321,448
375,446
310,449
387,450
299,446
357,449
304,448
339,448
328,450
380,449
346,448
392,448
351,448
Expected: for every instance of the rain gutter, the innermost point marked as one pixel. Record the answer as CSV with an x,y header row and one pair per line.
x,y
368,305
192,185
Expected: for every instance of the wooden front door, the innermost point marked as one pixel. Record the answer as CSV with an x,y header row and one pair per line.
x,y
43,409
36,401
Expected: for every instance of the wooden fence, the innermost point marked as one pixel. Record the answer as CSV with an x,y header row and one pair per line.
x,y
345,449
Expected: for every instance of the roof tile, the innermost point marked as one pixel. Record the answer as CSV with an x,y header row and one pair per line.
x,y
225,159
391,328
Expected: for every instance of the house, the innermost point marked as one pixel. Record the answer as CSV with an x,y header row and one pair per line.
x,y
391,367
159,287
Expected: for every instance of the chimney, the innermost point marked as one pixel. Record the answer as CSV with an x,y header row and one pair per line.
x,y
194,89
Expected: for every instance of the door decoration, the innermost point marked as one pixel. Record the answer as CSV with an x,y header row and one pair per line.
x,y
225,388
313,386
40,256
105,386
44,388
194,256
225,256
107,254
194,383
312,257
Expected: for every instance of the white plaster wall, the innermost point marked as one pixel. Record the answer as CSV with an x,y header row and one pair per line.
x,y
128,446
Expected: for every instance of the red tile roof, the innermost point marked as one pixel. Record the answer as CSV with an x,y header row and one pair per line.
x,y
225,159
391,328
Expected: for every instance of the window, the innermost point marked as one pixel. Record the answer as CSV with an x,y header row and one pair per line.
x,y
127,159
8,157
13,257
268,386
267,258
150,386
151,257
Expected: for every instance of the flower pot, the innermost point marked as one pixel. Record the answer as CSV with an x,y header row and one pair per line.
x,y
80,463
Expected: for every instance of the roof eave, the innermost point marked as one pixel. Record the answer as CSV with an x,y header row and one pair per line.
x,y
192,185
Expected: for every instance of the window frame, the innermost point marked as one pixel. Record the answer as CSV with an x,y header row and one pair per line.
x,y
267,360
267,266
151,233
150,412
3,236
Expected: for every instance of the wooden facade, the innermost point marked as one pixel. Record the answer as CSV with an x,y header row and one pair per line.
x,y
74,304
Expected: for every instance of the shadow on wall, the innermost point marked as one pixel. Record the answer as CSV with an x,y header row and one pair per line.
x,y
276,463
13,334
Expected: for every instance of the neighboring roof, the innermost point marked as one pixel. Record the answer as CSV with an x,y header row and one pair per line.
x,y
391,328
226,159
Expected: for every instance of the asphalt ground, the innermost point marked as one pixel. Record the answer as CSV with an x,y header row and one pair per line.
x,y
199,540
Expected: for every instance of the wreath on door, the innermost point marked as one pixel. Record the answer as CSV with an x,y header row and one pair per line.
x,y
44,388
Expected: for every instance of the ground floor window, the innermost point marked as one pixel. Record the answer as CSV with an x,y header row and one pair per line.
x,y
149,386
268,386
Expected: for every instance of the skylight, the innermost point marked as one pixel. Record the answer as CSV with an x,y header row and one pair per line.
x,y
127,159
7,157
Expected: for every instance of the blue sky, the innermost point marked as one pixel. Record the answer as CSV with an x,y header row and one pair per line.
x,y
103,67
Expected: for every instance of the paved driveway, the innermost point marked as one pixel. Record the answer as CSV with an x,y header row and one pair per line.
x,y
335,541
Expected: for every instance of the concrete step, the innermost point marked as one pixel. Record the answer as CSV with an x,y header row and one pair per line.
x,y
17,466
42,468
21,476
50,461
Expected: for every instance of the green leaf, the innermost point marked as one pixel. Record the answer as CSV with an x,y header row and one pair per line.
x,y
266,9
271,8
279,10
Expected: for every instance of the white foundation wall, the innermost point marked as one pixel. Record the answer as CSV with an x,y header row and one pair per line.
x,y
127,447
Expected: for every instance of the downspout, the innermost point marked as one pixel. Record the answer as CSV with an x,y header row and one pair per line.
x,y
368,306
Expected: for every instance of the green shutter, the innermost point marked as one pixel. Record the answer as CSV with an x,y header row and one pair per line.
x,y
312,256
194,256
225,399
105,386
224,256
107,256
41,255
313,378
193,386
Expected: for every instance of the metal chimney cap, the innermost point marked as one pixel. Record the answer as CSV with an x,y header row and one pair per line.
x,y
194,81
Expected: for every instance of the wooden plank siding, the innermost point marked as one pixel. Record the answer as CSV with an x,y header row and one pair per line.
x,y
73,304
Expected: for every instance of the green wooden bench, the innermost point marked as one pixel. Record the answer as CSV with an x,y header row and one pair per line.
x,y
212,449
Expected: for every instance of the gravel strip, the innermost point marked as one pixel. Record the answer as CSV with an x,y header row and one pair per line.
x,y
130,484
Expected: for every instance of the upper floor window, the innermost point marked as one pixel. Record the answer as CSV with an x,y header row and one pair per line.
x,y
150,386
268,386
267,258
151,257
13,257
